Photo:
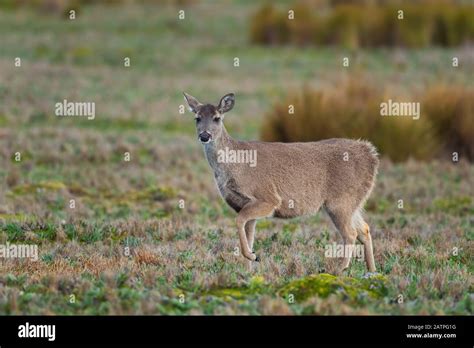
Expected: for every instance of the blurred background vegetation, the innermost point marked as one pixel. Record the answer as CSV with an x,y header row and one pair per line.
x,y
352,109
346,28
368,23
326,29
281,62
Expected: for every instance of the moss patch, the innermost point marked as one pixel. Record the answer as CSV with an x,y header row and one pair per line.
x,y
321,285
37,187
256,286
15,217
455,205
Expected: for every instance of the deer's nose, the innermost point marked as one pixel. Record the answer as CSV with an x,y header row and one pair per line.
x,y
204,137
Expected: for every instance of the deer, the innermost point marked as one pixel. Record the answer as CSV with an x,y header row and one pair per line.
x,y
290,179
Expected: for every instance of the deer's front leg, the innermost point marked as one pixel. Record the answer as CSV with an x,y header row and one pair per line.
x,y
252,211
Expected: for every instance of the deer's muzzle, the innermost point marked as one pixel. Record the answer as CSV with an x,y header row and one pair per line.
x,y
204,137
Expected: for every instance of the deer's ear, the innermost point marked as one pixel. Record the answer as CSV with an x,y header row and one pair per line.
x,y
227,103
193,103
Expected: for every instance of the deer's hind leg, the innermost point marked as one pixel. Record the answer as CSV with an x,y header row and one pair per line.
x,y
342,219
363,236
250,233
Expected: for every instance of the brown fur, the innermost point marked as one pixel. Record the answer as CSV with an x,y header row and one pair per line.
x,y
292,179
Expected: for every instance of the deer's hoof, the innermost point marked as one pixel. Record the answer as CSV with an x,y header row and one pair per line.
x,y
256,258
251,256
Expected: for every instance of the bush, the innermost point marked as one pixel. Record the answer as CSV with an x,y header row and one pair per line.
x,y
342,26
415,30
451,112
352,110
366,25
304,31
269,26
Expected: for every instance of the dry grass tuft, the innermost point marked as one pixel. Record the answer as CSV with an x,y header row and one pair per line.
x,y
352,110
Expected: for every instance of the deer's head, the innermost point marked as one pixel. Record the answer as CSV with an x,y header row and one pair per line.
x,y
209,117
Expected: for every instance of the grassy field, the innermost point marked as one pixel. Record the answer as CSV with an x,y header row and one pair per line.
x,y
128,247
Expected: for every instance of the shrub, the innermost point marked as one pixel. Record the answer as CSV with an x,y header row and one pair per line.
x,y
342,27
269,26
303,31
352,110
415,29
376,28
451,112
366,24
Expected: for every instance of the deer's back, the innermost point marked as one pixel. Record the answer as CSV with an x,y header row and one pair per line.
x,y
300,177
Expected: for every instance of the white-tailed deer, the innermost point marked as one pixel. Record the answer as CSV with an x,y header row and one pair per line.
x,y
285,180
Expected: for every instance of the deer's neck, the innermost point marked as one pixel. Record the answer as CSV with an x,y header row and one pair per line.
x,y
213,148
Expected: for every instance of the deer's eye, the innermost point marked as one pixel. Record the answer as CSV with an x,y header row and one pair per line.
x,y
217,119
198,119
